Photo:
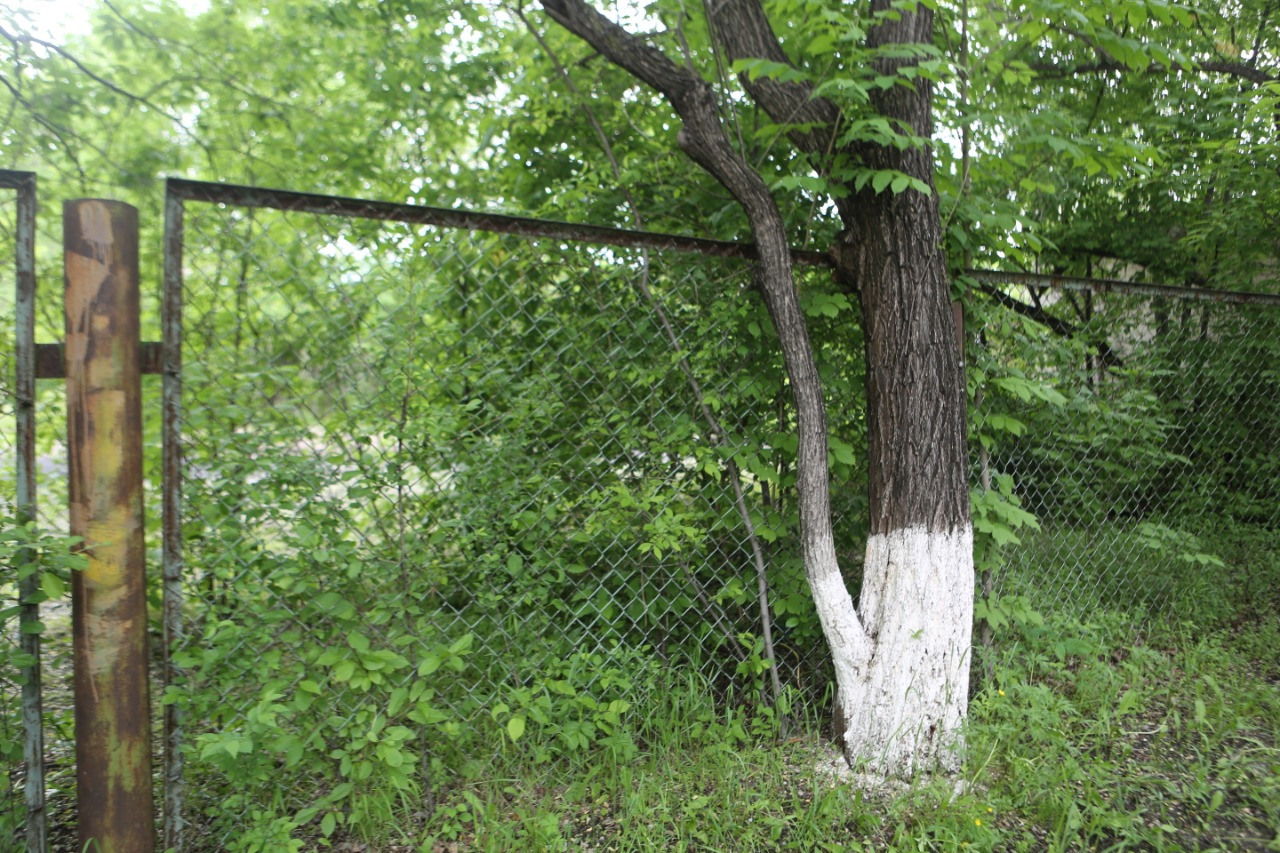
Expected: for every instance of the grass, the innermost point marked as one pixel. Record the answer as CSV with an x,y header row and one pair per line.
x,y
1090,735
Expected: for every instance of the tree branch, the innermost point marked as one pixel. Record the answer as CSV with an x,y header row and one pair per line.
x,y
718,435
24,38
703,138
743,29
1107,63
1057,325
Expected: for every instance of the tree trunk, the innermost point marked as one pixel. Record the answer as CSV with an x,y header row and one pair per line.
x,y
905,711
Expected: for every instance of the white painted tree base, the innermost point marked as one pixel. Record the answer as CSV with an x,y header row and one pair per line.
x,y
832,768
904,691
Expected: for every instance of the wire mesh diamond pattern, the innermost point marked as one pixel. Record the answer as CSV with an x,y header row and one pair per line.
x,y
407,446
1157,416
471,461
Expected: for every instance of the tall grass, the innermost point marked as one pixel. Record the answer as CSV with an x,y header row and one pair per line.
x,y
1091,734
1113,741
1127,728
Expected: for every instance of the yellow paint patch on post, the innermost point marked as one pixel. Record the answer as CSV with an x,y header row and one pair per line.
x,y
104,432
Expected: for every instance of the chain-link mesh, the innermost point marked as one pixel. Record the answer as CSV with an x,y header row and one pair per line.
x,y
1137,430
436,478
432,472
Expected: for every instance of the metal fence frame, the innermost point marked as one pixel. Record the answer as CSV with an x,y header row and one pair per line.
x,y
24,185
180,192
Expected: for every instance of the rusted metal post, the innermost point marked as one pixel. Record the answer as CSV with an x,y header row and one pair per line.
x,y
29,582
109,608
172,510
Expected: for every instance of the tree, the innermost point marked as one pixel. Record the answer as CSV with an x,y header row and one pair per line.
x,y
902,657
1080,133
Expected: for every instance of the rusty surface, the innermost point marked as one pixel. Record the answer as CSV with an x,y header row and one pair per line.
x,y
51,360
28,587
182,189
469,220
15,180
109,616
171,511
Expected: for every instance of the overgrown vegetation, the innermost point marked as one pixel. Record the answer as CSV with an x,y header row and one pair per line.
x,y
1090,735
465,568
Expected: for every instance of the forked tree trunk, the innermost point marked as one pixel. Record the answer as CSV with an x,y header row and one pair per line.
x,y
902,658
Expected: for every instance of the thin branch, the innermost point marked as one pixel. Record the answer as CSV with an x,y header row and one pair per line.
x,y
59,133
718,434
1108,64
85,70
702,136
744,30
585,105
1262,28
1057,325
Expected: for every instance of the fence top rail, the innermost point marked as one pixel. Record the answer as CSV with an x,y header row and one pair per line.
x,y
468,220
14,180
288,200
1109,285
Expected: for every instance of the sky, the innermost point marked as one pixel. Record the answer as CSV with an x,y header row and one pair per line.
x,y
57,20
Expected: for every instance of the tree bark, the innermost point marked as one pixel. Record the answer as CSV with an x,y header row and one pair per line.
x,y
917,590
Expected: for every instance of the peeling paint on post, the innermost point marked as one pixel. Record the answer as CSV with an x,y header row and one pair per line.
x,y
104,431
25,509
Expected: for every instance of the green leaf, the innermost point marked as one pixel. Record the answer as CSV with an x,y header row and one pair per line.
x,y
52,585
757,68
429,662
399,697
344,670
841,452
515,728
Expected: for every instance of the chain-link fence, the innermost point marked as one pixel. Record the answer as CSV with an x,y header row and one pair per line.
x,y
439,479
1141,430
433,472
453,484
